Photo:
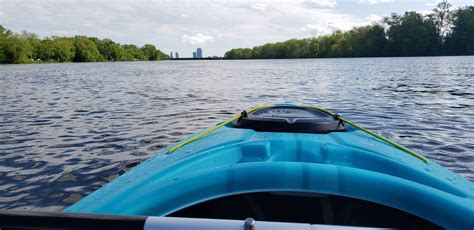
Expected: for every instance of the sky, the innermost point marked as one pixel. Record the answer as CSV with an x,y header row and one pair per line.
x,y
215,26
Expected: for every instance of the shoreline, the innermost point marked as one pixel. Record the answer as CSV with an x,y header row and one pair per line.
x,y
230,59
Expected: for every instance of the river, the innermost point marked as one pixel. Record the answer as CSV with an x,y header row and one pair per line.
x,y
67,129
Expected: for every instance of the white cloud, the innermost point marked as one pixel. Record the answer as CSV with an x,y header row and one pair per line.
x,y
372,2
318,30
325,3
66,32
373,18
259,6
181,25
199,38
424,12
433,3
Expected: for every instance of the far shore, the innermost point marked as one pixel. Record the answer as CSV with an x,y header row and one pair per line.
x,y
235,59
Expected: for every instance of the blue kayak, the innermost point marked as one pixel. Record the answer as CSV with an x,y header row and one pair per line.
x,y
291,163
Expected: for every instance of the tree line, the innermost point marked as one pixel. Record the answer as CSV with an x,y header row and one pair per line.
x,y
442,32
29,48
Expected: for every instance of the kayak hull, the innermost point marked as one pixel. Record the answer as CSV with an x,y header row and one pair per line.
x,y
231,161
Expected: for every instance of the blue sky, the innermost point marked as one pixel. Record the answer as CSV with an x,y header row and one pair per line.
x,y
184,25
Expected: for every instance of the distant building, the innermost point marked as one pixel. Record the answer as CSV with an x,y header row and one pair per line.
x,y
194,55
199,53
171,54
176,55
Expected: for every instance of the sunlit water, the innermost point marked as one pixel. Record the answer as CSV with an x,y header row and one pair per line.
x,y
67,129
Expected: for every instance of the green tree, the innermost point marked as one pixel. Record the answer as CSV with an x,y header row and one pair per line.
x,y
324,46
293,48
461,40
411,35
367,41
4,32
34,42
64,49
150,52
46,50
85,50
340,45
161,55
239,54
110,50
14,50
442,18
27,47
133,53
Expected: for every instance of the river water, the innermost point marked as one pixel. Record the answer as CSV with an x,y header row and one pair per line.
x,y
67,129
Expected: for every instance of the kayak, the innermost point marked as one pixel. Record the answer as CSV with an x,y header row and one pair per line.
x,y
290,163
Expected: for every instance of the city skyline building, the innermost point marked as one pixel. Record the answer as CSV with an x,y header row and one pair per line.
x,y
194,55
171,54
199,53
176,55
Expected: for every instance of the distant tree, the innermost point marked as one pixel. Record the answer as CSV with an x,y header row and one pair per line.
x,y
239,54
461,40
28,47
14,50
98,43
46,50
133,53
268,51
85,50
109,50
294,48
4,32
367,41
340,45
161,55
306,47
442,19
64,49
411,35
314,48
324,46
256,52
34,42
444,31
150,52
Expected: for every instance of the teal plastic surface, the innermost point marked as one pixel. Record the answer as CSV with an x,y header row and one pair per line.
x,y
232,161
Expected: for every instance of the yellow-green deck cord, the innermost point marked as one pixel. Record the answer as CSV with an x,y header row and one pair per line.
x,y
424,159
310,107
212,129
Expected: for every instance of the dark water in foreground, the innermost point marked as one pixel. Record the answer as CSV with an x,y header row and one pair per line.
x,y
67,129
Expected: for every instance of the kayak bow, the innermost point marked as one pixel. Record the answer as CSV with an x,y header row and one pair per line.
x,y
302,157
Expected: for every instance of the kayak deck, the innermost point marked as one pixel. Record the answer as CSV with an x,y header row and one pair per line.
x,y
231,161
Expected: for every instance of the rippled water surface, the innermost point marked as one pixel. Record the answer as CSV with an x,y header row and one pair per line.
x,y
67,129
